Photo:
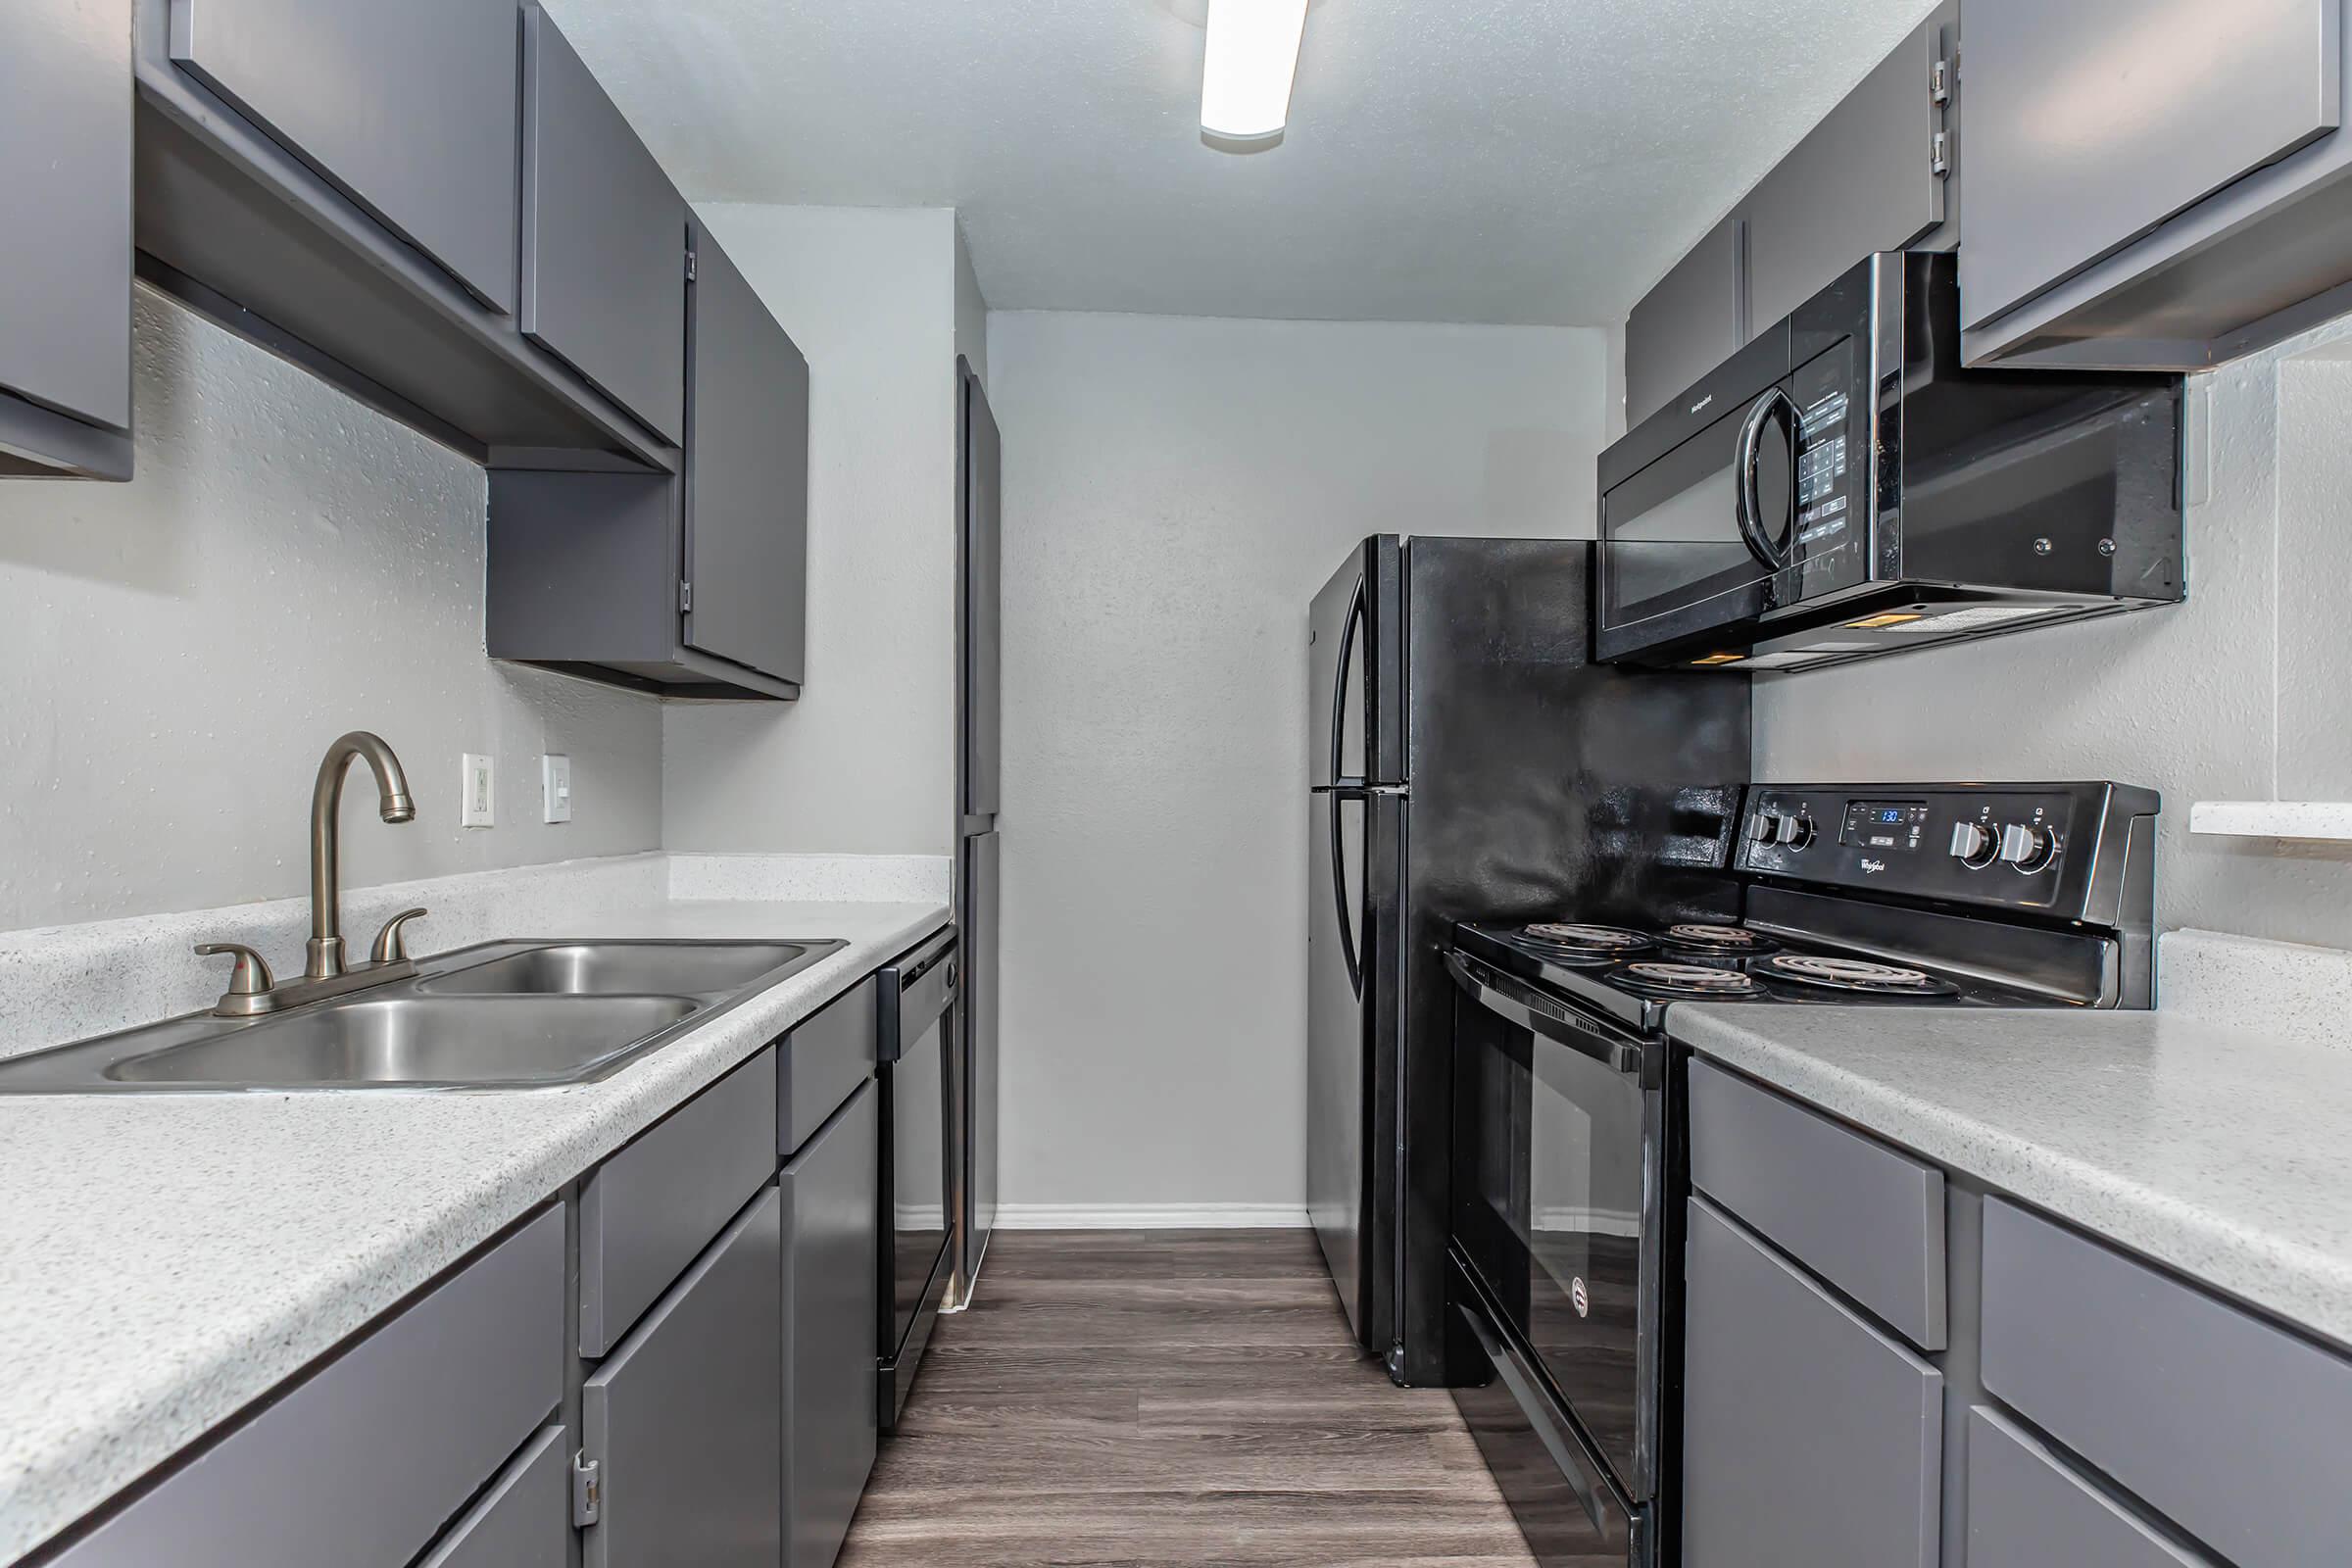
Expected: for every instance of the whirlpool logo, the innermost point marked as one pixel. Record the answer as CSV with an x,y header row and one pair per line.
x,y
1874,867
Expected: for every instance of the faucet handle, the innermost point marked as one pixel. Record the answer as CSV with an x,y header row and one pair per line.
x,y
251,976
391,943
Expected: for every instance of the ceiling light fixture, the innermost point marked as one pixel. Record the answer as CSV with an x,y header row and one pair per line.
x,y
1253,57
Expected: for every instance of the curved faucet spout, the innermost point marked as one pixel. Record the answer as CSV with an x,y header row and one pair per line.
x,y
394,805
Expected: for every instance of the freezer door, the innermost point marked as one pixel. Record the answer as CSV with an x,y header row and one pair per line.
x,y
1354,841
1356,671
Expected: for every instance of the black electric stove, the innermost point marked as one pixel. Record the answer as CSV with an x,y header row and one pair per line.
x,y
1568,1134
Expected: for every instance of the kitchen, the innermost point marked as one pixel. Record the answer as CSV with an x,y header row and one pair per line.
x,y
887,1066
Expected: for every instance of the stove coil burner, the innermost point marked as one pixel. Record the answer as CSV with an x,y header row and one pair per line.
x,y
1857,975
1718,939
1585,938
1687,980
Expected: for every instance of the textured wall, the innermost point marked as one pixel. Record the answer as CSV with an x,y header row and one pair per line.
x,y
864,761
1175,492
2239,694
971,309
286,566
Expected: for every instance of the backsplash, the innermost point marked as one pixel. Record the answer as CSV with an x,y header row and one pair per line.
x,y
2237,694
287,564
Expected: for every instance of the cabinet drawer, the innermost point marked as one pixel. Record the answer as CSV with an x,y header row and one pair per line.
x,y
682,1420
648,1210
2234,1428
360,1464
825,1059
1865,1218
2025,1507
525,1519
1810,1440
409,108
832,1282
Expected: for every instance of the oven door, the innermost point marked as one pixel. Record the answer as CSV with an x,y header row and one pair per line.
x,y
1558,1203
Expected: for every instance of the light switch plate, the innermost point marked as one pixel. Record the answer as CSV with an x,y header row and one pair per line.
x,y
478,807
554,786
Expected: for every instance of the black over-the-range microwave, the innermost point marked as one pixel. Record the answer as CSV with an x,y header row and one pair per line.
x,y
1843,487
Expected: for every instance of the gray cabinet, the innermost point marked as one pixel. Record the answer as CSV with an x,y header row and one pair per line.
x,y
1691,321
604,239
66,239
747,475
646,1213
409,108
1810,1440
525,1519
1870,177
361,1463
2152,186
831,1306
826,1058
681,1421
2025,1507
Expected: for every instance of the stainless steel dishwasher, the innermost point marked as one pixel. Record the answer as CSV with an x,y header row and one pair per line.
x,y
918,1151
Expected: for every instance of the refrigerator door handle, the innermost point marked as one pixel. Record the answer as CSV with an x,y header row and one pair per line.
x,y
1340,778
1339,797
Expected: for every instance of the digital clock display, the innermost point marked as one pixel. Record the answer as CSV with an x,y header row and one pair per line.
x,y
1880,825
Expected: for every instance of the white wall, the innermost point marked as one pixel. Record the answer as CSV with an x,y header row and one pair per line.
x,y
864,761
1175,492
971,309
181,650
2243,692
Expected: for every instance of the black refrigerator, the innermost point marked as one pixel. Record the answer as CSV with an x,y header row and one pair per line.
x,y
979,705
1467,762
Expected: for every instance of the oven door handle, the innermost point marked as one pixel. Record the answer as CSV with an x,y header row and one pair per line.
x,y
1523,1004
1747,505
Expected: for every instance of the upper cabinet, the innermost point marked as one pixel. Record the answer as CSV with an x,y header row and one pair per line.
x,y
1695,320
1874,175
604,239
2152,187
747,476
66,239
408,109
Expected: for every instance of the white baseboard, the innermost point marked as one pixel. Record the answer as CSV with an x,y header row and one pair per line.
x,y
1150,1216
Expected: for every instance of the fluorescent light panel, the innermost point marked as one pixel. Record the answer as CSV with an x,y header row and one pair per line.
x,y
1252,56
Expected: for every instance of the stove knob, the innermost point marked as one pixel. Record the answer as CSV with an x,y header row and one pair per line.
x,y
2029,849
1972,845
1796,831
1765,827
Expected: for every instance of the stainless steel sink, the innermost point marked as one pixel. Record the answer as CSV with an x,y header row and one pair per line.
x,y
416,1039
498,1015
620,968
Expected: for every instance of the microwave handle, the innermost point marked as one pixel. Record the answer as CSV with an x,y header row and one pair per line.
x,y
1746,506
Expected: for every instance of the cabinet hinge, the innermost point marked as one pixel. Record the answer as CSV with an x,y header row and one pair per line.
x,y
690,266
1939,154
685,597
587,1489
1939,83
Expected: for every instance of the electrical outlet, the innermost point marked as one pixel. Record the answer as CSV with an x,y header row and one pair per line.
x,y
554,786
478,807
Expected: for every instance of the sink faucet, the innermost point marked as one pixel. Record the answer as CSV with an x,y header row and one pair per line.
x,y
252,990
324,952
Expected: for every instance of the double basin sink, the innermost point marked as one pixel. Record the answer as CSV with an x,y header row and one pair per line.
x,y
500,1015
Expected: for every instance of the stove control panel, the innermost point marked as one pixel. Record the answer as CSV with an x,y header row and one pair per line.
x,y
2040,847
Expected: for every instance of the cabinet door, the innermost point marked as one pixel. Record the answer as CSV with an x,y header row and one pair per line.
x,y
1693,321
747,475
407,108
1809,1439
831,1306
1865,179
604,239
523,1519
2093,122
682,1419
64,239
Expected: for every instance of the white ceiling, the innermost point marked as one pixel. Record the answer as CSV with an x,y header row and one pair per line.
x,y
1509,160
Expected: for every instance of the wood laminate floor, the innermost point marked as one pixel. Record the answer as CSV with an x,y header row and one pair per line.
x,y
1171,1397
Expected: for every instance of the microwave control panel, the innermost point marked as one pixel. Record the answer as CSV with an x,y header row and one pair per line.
x,y
1830,532
1975,843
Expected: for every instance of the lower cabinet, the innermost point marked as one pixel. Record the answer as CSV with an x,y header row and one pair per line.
x,y
680,1421
831,1303
1810,1438
525,1519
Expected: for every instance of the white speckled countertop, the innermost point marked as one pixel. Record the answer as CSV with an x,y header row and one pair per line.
x,y
165,1259
2219,1146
